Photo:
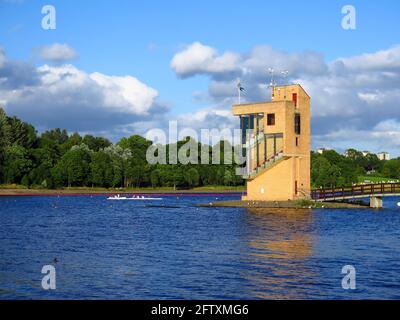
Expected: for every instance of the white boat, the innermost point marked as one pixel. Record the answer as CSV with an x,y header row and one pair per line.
x,y
143,198
118,197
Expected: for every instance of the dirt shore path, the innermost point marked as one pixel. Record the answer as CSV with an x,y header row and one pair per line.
x,y
70,192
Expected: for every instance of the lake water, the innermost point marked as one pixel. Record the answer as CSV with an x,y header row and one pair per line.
x,y
131,250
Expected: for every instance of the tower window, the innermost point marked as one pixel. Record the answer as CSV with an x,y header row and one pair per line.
x,y
297,123
297,141
270,119
294,99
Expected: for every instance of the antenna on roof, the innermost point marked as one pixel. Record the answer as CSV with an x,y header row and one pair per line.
x,y
272,83
284,75
272,73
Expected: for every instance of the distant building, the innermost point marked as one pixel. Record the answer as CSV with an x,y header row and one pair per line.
x,y
322,150
365,153
383,156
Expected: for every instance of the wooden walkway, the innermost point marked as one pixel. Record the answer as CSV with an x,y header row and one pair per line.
x,y
357,191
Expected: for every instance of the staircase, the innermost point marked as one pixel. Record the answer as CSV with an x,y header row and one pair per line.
x,y
271,162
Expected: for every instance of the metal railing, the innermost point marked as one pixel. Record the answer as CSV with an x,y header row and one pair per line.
x,y
355,191
265,165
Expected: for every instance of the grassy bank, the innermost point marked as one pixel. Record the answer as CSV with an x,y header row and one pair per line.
x,y
20,190
375,179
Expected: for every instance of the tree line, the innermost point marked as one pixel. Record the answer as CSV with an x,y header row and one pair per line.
x,y
331,169
56,159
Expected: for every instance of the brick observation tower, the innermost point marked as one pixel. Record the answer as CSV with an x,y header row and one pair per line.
x,y
276,143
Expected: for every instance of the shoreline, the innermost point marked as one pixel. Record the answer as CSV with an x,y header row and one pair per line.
x,y
305,204
12,192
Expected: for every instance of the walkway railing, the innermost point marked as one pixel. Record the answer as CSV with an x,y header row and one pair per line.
x,y
356,191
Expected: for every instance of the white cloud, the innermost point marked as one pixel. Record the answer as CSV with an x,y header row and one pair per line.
x,y
384,136
198,58
390,125
388,132
380,60
208,118
56,52
125,92
201,59
351,97
262,57
67,97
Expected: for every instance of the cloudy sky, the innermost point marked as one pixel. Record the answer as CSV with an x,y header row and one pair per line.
x,y
115,68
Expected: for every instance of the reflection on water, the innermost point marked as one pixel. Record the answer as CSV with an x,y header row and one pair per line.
x,y
287,232
278,249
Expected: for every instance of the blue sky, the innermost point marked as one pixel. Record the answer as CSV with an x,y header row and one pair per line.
x,y
140,39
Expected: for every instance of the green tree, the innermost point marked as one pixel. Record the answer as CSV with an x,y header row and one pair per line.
x,y
16,163
137,145
74,140
171,175
372,162
25,181
102,173
44,160
192,177
155,178
391,169
73,168
134,175
53,137
4,130
324,174
22,134
120,159
228,178
95,143
354,154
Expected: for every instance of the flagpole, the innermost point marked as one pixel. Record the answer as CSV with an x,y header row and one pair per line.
x,y
239,89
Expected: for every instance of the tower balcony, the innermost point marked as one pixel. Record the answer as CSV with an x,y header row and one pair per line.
x,y
261,151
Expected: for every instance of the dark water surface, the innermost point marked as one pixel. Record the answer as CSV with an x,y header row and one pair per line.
x,y
115,250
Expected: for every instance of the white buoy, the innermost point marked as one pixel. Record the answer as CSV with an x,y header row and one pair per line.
x,y
398,204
